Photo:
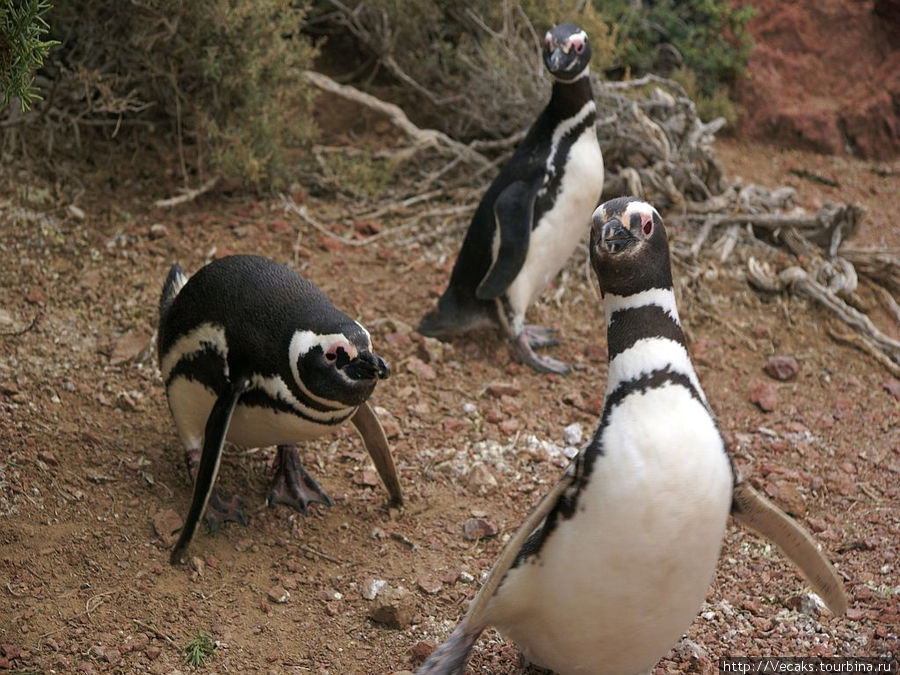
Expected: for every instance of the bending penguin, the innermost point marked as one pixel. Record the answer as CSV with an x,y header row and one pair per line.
x,y
533,215
612,565
252,353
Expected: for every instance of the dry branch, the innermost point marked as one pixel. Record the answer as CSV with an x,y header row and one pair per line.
x,y
423,138
187,195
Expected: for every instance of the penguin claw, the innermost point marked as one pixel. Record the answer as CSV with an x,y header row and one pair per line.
x,y
539,336
222,509
542,364
292,485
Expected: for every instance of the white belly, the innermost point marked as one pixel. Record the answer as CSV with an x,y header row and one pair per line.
x,y
251,426
615,587
560,229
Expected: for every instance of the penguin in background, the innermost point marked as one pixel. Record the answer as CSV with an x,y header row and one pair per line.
x,y
532,216
252,353
613,564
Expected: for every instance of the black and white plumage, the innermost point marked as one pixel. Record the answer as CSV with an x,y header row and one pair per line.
x,y
533,215
252,353
612,565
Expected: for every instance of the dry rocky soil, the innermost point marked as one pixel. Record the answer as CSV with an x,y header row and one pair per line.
x,y
93,481
92,478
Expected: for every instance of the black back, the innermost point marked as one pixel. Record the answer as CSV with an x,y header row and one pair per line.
x,y
261,304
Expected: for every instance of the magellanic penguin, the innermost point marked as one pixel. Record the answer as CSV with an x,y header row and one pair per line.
x,y
533,215
613,564
252,353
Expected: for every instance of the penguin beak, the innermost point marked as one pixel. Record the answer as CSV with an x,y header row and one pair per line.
x,y
614,236
368,366
557,60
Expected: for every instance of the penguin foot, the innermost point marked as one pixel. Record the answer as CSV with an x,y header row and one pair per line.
x,y
539,336
542,364
292,485
221,509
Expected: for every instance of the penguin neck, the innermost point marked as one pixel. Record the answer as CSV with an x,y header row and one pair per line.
x,y
645,339
569,97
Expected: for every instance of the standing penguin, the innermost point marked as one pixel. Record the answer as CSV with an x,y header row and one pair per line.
x,y
533,215
611,566
252,353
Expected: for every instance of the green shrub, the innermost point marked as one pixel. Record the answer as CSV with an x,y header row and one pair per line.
x,y
710,36
223,77
471,68
22,49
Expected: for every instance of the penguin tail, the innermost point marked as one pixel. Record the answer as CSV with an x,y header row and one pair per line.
x,y
450,658
175,281
451,318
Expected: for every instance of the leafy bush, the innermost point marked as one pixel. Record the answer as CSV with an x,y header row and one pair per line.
x,y
710,36
222,76
471,68
22,49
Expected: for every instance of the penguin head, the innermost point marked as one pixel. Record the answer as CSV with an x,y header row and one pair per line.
x,y
566,52
629,247
339,367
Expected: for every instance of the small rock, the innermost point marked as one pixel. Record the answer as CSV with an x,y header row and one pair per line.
x,y
48,457
131,346
153,652
470,408
372,588
790,498
421,651
806,603
855,614
112,655
431,350
573,434
499,389
429,584
158,231
395,608
510,426
419,368
478,528
198,565
480,479
466,578
243,544
688,650
36,296
782,368
278,595
892,387
166,523
764,394
367,478
75,212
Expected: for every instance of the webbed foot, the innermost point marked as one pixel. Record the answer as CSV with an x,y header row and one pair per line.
x,y
542,364
539,336
292,485
221,508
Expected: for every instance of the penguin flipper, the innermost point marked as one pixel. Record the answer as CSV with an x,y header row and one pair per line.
x,y
213,439
372,433
452,655
513,215
758,513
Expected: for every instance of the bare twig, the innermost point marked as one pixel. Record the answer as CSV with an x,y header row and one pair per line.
x,y
187,195
323,556
424,137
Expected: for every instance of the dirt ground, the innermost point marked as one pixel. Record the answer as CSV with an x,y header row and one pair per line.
x,y
90,466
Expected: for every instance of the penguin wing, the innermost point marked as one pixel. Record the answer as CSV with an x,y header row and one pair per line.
x,y
513,214
759,514
372,433
213,439
452,655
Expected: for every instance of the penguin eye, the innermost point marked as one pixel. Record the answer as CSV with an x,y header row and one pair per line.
x,y
331,356
647,227
578,44
548,43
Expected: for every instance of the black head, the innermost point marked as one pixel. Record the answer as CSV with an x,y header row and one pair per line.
x,y
566,51
629,247
339,367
